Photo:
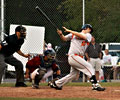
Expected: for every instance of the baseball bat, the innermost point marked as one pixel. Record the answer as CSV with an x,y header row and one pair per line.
x,y
47,18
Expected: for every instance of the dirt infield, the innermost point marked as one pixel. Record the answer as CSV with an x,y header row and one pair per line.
x,y
111,93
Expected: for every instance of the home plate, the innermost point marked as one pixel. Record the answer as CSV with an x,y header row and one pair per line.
x,y
117,90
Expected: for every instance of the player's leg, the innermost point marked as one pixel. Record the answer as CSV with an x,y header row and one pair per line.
x,y
35,81
82,65
98,65
48,74
2,66
36,76
59,83
19,70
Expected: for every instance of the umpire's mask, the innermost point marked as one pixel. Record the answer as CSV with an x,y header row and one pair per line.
x,y
22,31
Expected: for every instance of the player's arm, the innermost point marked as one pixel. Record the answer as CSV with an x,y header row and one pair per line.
x,y
22,54
86,54
27,73
100,55
58,72
61,35
100,52
0,46
83,36
3,43
88,58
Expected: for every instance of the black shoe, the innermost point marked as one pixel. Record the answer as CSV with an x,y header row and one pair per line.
x,y
53,85
49,83
98,87
20,84
35,86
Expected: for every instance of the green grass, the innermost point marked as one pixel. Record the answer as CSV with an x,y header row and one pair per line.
x,y
9,98
106,84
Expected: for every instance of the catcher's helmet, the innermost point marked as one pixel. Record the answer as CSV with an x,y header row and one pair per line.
x,y
50,54
85,26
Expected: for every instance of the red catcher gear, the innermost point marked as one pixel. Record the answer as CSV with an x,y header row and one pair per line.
x,y
36,61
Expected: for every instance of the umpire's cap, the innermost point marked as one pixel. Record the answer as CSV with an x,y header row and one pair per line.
x,y
20,29
85,26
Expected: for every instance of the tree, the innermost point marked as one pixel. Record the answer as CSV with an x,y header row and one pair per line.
x,y
103,16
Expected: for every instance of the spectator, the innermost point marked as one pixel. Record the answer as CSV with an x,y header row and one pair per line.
x,y
41,67
8,47
107,61
107,57
93,55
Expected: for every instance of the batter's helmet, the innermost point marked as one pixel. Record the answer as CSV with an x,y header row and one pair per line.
x,y
87,26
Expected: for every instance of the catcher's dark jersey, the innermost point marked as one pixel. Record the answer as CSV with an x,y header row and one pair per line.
x,y
11,44
37,61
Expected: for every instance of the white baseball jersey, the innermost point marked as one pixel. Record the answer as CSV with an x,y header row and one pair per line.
x,y
76,50
78,46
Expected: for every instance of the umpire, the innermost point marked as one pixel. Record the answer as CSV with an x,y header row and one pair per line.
x,y
8,47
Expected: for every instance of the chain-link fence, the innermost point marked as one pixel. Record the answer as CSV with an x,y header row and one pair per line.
x,y
102,15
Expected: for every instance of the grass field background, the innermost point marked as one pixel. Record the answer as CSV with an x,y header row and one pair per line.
x,y
105,84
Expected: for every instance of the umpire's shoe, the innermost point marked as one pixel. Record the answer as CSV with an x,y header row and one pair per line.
x,y
20,84
97,87
53,85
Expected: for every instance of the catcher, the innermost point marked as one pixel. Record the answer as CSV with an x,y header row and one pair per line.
x,y
41,67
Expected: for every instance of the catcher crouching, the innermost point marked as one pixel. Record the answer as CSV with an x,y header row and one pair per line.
x,y
41,67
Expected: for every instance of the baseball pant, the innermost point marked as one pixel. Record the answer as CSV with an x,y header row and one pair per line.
x,y
96,63
77,64
48,74
14,62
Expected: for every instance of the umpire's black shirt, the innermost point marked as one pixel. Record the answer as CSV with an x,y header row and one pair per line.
x,y
11,44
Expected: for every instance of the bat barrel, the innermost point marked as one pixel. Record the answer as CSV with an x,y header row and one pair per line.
x,y
40,11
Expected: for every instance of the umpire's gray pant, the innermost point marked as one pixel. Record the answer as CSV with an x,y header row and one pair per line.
x,y
14,62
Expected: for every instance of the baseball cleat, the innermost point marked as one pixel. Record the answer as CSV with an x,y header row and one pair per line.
x,y
97,87
20,84
49,83
35,86
53,85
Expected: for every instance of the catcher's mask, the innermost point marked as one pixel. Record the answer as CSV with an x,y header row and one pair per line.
x,y
50,54
85,26
22,31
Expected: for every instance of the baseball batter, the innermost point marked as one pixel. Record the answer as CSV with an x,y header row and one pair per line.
x,y
79,42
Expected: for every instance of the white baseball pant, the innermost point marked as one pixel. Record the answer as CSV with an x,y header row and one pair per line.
x,y
48,74
35,72
77,64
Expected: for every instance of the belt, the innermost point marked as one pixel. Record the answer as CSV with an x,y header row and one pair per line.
x,y
78,55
